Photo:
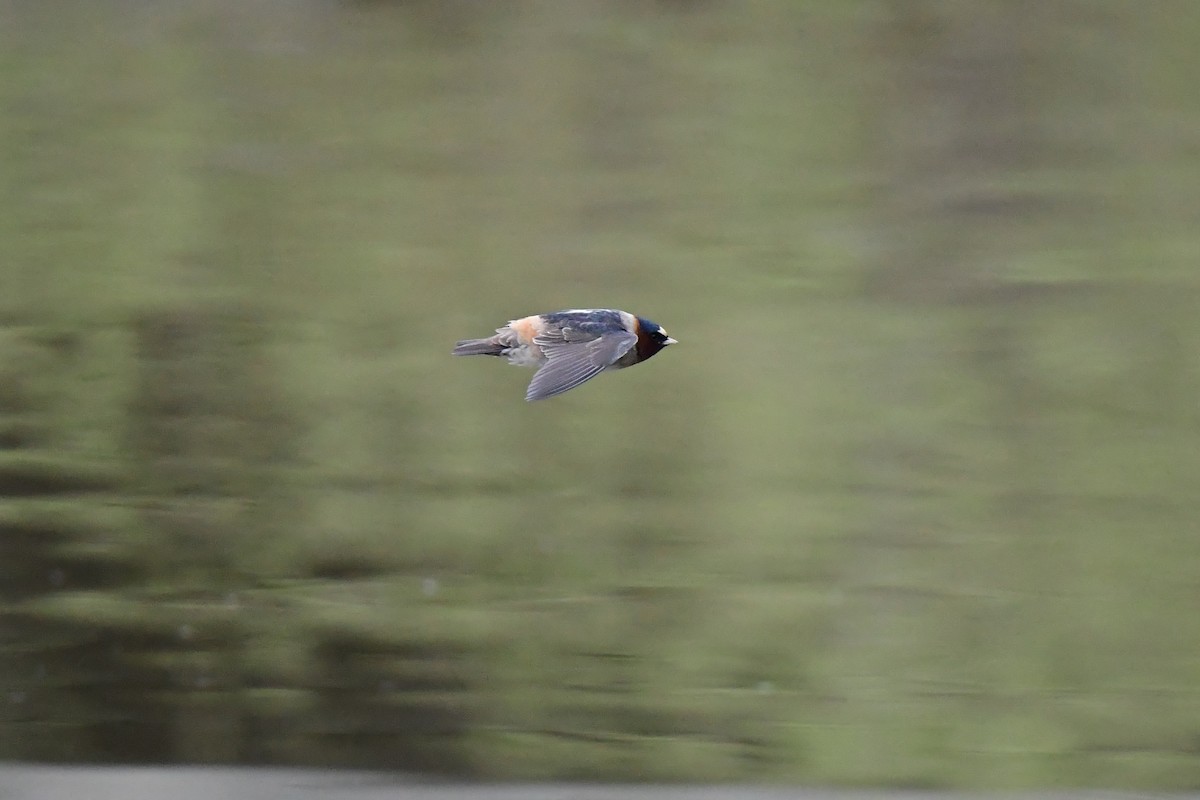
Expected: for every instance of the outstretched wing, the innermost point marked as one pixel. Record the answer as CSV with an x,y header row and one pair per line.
x,y
575,355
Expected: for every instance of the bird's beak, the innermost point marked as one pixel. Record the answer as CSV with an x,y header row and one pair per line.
x,y
669,340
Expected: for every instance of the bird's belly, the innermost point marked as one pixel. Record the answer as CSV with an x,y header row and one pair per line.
x,y
525,356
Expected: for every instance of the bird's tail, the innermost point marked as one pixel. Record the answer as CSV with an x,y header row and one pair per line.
x,y
479,347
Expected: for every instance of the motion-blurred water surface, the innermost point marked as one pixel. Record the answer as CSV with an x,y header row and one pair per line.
x,y
913,502
22,782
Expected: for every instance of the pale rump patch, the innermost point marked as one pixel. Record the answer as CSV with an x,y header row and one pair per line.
x,y
526,328
517,337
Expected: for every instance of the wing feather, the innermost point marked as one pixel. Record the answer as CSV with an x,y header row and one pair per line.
x,y
570,363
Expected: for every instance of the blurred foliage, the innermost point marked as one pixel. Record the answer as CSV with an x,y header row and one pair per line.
x,y
913,502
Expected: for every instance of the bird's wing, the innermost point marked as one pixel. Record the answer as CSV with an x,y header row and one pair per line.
x,y
574,356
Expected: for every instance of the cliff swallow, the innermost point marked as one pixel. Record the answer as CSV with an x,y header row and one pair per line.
x,y
570,347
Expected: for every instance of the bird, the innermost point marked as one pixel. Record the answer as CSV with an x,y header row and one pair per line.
x,y
570,347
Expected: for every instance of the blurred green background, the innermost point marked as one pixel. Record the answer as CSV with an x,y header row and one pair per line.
x,y
914,502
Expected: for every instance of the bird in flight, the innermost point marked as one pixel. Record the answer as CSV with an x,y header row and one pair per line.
x,y
570,347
